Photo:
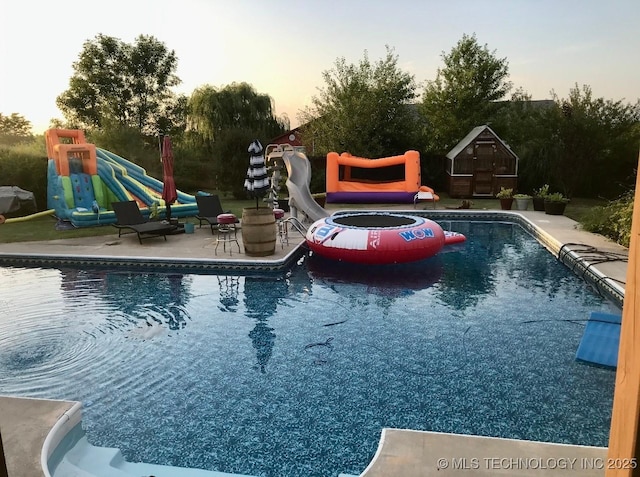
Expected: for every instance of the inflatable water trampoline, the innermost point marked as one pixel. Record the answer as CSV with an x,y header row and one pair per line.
x,y
378,238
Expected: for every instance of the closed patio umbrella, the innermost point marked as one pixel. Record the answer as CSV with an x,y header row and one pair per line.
x,y
169,192
257,180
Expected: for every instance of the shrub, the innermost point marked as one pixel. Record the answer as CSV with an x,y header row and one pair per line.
x,y
25,166
612,220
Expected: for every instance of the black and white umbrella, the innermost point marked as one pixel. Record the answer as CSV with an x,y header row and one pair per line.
x,y
257,180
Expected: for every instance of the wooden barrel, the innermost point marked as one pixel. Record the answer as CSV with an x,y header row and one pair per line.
x,y
259,231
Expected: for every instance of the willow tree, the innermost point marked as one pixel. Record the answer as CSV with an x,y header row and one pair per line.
x,y
364,109
225,120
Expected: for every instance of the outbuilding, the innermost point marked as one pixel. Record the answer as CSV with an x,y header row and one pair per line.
x,y
480,164
292,137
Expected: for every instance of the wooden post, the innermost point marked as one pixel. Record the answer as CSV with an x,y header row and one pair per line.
x,y
3,461
623,437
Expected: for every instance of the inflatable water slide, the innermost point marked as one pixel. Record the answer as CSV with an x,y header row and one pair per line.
x,y
298,179
83,181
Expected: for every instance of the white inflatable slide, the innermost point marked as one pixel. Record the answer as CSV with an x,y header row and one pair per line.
x,y
300,199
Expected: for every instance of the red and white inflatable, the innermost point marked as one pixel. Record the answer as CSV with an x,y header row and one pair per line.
x,y
378,238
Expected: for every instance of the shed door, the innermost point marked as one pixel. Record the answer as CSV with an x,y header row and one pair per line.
x,y
483,169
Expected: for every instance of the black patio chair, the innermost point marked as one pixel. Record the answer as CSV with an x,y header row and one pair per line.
x,y
209,207
129,217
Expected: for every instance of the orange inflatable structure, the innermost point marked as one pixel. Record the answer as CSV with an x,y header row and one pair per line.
x,y
84,180
75,147
352,179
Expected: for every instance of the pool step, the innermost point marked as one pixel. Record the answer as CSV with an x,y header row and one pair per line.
x,y
86,460
83,459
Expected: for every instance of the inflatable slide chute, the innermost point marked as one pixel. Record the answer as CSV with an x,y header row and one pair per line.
x,y
140,174
298,180
83,181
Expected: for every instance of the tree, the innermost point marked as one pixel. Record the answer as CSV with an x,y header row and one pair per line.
x,y
524,124
464,93
364,109
172,116
598,143
14,128
225,121
580,145
118,82
236,106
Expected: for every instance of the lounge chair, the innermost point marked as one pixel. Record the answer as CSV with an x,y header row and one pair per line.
x,y
209,207
129,217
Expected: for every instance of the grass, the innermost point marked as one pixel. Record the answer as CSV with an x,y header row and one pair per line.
x,y
43,228
577,209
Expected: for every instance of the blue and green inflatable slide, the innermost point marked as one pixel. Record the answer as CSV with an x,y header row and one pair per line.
x,y
85,200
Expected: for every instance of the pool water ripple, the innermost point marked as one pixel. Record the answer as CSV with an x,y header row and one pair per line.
x,y
296,375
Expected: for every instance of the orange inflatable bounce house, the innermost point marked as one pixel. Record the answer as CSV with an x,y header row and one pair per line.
x,y
394,179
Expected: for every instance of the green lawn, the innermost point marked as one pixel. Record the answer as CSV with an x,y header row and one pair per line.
x,y
578,208
44,228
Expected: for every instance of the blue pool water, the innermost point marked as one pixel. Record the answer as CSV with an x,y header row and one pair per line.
x,y
297,374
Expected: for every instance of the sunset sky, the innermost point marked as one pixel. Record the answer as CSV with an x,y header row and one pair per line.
x,y
281,47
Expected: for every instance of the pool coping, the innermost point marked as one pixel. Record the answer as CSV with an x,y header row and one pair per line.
x,y
195,265
65,424
421,453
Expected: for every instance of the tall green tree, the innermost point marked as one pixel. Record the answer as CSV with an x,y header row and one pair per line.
x,y
598,143
364,109
117,82
224,121
580,145
464,94
524,125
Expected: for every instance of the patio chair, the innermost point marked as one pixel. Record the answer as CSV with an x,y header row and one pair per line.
x,y
209,207
129,217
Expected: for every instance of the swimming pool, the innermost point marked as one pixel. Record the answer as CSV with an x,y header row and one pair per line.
x,y
297,375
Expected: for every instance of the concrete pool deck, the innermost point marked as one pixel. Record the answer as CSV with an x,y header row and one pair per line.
x,y
24,423
197,251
